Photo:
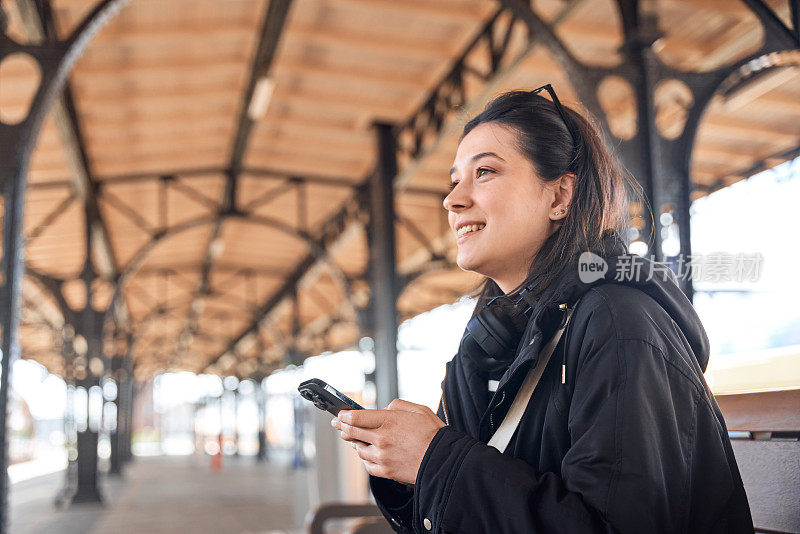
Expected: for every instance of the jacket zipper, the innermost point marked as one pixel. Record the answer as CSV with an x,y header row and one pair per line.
x,y
491,411
444,410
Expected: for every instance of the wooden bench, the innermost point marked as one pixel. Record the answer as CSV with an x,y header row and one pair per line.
x,y
768,454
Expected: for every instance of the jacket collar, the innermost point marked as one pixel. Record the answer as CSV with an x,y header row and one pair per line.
x,y
547,314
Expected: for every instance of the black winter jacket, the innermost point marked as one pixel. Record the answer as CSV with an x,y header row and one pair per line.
x,y
632,441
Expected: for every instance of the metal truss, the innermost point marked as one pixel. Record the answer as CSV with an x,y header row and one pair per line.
x,y
661,165
422,132
411,140
40,25
318,242
54,60
330,231
271,30
180,181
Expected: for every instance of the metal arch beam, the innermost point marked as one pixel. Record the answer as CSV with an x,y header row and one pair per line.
x,y
40,26
672,168
263,172
331,231
774,28
260,172
148,176
55,60
429,115
586,78
660,164
678,152
53,287
317,250
581,75
141,254
450,95
787,155
269,35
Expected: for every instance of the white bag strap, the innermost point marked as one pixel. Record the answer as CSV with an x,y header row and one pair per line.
x,y
502,435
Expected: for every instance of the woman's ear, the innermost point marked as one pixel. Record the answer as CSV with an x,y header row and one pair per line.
x,y
564,186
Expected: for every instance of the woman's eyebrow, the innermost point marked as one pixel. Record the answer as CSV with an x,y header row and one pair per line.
x,y
478,156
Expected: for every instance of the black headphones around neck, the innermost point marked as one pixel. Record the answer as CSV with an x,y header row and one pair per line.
x,y
493,334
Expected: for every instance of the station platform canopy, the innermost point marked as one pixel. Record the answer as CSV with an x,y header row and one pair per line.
x,y
209,160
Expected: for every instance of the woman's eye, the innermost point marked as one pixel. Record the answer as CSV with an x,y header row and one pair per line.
x,y
481,170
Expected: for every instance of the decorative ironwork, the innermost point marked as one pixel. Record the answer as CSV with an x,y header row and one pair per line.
x,y
54,59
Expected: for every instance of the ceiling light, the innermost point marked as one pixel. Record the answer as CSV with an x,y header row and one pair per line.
x,y
262,94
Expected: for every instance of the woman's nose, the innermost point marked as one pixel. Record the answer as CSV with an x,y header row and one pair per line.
x,y
457,199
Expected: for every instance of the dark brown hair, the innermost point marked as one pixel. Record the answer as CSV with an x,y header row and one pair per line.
x,y
602,191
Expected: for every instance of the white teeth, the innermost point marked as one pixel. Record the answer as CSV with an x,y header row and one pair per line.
x,y
469,228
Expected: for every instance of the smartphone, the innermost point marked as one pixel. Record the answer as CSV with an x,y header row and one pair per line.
x,y
326,397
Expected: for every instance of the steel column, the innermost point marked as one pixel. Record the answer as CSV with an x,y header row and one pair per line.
x,y
235,394
13,187
642,152
261,401
70,432
120,376
383,269
54,59
91,328
130,395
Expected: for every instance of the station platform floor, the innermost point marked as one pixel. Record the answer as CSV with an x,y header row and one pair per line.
x,y
161,494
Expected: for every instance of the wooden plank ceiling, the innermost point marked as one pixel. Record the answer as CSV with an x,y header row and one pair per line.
x,y
157,96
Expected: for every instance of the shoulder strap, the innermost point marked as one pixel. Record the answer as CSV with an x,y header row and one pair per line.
x,y
502,435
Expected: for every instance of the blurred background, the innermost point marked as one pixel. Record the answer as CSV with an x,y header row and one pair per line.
x,y
206,203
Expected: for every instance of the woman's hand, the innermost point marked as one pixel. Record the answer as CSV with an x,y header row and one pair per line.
x,y
392,442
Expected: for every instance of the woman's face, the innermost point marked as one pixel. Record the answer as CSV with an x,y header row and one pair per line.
x,y
499,209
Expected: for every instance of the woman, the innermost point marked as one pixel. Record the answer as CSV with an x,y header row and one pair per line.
x,y
621,433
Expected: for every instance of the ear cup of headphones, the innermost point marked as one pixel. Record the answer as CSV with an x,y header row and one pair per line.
x,y
491,338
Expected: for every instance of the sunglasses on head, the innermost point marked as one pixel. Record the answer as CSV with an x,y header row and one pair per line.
x,y
557,104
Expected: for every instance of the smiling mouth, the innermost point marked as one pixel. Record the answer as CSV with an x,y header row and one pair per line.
x,y
469,229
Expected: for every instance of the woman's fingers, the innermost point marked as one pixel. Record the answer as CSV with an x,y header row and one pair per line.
x,y
374,469
391,443
354,433
363,418
405,406
366,452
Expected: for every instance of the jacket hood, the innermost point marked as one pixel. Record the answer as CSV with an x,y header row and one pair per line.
x,y
611,263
